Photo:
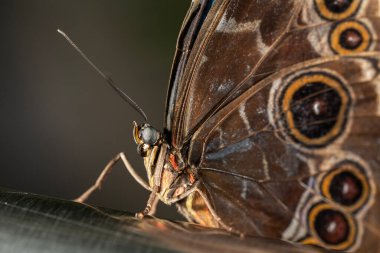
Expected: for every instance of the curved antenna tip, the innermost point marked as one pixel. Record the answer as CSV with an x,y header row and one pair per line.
x,y
121,93
61,32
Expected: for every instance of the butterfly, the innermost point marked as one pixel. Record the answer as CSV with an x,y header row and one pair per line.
x,y
272,122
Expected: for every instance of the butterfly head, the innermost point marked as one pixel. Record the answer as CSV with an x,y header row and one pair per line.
x,y
146,137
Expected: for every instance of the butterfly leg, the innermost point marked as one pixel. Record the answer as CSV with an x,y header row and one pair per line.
x,y
106,171
151,206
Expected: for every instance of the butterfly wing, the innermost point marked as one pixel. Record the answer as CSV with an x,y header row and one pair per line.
x,y
278,123
190,33
212,69
238,39
262,175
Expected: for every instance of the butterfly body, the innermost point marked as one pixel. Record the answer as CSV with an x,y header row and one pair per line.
x,y
272,121
169,176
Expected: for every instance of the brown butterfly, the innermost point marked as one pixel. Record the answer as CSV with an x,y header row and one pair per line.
x,y
272,122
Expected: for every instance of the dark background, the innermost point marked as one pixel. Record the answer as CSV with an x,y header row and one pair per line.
x,y
60,122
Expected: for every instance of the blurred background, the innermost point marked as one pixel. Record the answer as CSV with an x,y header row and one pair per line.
x,y
60,122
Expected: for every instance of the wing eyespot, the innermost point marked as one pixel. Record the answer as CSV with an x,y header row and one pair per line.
x,y
343,193
313,109
346,184
337,9
350,37
332,227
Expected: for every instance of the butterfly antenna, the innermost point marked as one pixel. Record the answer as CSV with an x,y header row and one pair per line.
x,y
121,93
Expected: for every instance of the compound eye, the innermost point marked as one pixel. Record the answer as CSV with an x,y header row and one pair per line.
x,y
149,135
